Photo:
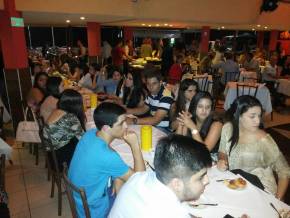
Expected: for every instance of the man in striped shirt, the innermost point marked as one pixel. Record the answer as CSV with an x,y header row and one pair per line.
x,y
157,103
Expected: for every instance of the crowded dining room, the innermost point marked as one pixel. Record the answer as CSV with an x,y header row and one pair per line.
x,y
145,109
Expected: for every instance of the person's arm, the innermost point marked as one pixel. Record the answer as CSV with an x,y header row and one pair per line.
x,y
138,110
132,140
212,137
282,187
154,120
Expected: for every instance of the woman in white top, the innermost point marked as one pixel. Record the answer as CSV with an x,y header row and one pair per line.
x,y
89,80
244,145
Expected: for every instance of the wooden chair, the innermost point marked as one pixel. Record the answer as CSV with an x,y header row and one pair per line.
x,y
202,82
247,89
71,190
56,176
40,122
2,172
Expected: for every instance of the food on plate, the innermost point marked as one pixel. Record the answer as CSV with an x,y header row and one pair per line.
x,y
238,183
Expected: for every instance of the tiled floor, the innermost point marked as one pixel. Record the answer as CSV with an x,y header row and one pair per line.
x,y
29,190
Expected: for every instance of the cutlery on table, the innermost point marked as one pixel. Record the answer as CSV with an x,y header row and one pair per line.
x,y
272,205
202,204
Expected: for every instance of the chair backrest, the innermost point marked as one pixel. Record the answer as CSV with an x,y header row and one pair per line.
x,y
202,82
71,190
2,172
231,77
247,89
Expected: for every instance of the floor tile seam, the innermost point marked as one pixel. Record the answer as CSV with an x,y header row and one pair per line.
x,y
24,182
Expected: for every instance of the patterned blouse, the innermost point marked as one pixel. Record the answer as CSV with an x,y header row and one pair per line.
x,y
260,158
62,131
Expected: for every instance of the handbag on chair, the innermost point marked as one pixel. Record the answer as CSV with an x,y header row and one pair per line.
x,y
28,131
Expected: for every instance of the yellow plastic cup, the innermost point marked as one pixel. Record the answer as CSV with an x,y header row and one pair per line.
x,y
94,100
146,138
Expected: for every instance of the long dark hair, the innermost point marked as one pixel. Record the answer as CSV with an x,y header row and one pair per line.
x,y
52,86
35,85
241,105
181,101
137,91
72,102
192,109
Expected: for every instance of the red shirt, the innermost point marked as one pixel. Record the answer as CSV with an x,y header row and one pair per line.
x,y
117,56
175,74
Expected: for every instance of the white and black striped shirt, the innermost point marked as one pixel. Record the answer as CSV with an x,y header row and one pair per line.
x,y
162,101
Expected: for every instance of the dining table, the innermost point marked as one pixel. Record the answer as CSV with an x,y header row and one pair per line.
x,y
223,200
263,95
284,86
217,199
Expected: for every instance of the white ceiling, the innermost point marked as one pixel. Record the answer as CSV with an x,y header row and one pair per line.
x,y
230,14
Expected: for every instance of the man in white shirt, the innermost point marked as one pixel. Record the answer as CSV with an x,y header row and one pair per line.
x,y
180,175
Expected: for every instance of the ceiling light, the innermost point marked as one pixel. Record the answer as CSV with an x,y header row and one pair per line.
x,y
219,28
258,25
253,29
149,25
223,27
68,21
166,24
82,18
171,25
265,27
143,24
157,24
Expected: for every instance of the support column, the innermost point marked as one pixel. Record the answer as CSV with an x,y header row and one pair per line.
x,y
260,39
204,40
128,33
15,57
273,40
94,41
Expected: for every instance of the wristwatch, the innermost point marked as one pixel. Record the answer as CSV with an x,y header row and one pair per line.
x,y
194,131
135,121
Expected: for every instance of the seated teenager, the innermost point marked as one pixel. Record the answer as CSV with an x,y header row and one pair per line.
x,y
131,93
38,92
200,123
65,126
95,164
245,146
75,73
110,84
54,89
187,90
180,175
89,80
158,102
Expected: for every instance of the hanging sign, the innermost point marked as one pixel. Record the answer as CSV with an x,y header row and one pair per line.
x,y
17,22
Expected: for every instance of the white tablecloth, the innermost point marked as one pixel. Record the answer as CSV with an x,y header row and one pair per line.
x,y
263,95
284,86
247,74
251,200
